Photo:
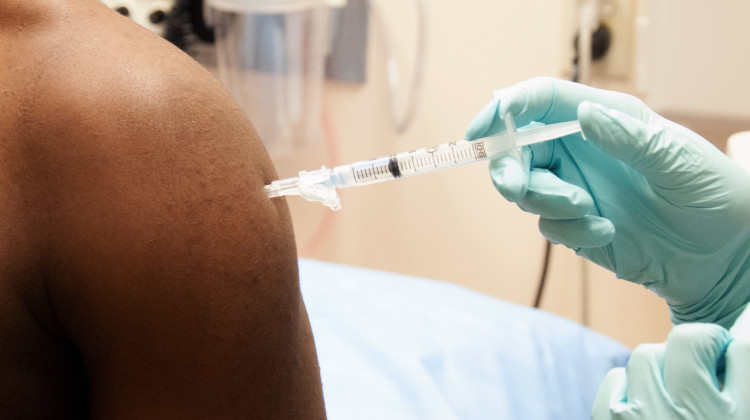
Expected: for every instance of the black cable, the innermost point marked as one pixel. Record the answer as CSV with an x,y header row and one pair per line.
x,y
543,274
600,42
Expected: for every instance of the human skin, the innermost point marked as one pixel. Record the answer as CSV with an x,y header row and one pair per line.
x,y
143,271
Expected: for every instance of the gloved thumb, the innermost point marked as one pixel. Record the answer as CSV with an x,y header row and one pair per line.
x,y
657,152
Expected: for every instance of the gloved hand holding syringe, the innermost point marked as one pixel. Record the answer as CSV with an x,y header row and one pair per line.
x,y
320,185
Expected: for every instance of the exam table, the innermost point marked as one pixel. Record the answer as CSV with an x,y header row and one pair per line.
x,y
393,346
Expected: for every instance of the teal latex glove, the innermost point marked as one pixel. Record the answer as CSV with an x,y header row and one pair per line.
x,y
678,380
642,196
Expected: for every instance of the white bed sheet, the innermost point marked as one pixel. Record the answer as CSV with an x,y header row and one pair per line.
x,y
393,346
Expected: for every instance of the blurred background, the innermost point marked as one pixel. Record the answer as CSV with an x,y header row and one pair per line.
x,y
334,82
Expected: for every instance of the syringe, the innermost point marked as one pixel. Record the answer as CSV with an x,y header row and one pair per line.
x,y
320,185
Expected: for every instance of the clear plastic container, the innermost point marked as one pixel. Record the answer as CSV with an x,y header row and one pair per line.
x,y
270,55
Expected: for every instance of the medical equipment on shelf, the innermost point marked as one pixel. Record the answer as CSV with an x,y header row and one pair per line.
x,y
320,185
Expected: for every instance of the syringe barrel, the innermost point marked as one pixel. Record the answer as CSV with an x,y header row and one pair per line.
x,y
444,155
415,162
362,173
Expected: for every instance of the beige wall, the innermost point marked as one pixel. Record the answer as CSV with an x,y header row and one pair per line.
x,y
452,225
695,57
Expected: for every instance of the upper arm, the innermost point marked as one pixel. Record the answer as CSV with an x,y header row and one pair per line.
x,y
169,269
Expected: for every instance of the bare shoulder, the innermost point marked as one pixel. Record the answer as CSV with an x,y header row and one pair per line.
x,y
167,267
111,77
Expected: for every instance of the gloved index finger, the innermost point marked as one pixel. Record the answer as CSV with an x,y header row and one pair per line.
x,y
542,100
527,101
548,100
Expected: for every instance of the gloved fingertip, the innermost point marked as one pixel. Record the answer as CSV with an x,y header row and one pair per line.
x,y
594,120
511,101
553,198
585,232
616,133
606,231
693,355
699,339
509,178
480,125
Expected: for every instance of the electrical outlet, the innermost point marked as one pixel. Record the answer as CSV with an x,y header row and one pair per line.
x,y
619,16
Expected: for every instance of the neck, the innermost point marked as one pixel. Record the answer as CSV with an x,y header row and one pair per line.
x,y
24,14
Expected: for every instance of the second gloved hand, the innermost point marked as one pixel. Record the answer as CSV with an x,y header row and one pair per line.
x,y
642,196
680,379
